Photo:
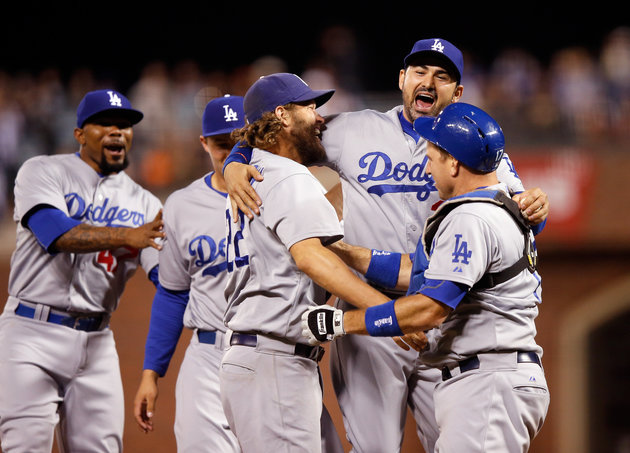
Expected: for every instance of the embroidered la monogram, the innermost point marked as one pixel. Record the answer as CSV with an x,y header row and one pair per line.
x,y
114,99
438,46
230,114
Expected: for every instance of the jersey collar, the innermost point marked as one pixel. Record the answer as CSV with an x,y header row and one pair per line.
x,y
208,180
407,127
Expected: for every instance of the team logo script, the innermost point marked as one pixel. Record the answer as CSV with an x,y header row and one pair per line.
x,y
395,177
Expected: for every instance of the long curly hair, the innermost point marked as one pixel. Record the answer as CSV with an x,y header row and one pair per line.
x,y
263,133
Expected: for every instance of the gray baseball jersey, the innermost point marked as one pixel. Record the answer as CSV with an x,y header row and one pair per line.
x,y
266,295
387,197
193,256
62,281
473,239
193,259
385,185
84,363
500,405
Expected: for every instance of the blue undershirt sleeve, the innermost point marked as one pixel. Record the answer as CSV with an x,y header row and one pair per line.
x,y
165,328
239,153
536,229
48,224
445,291
420,263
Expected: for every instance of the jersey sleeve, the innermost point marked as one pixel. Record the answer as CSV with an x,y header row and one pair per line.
x,y
174,273
462,249
297,209
149,256
444,291
38,183
506,173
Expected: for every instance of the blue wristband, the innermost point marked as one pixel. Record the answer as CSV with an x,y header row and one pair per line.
x,y
384,268
381,321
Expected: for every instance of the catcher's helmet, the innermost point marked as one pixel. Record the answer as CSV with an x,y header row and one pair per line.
x,y
467,133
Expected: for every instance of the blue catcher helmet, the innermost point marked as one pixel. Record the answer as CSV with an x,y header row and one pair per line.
x,y
467,133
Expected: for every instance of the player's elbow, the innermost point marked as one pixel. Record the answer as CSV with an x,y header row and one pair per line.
x,y
308,266
432,314
438,313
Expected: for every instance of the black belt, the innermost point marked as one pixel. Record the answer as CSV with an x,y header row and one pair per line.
x,y
85,323
310,352
472,363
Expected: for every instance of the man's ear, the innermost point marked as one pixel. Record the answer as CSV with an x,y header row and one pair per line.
x,y
283,115
79,136
454,166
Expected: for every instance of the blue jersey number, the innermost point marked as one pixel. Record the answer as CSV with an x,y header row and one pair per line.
x,y
239,260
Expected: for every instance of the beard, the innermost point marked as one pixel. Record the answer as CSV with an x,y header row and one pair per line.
x,y
108,168
308,145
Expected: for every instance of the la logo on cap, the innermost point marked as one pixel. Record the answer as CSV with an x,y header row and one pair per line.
x,y
230,114
438,46
114,99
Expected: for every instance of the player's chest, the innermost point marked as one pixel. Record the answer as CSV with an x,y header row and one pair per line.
x,y
390,157
200,226
104,203
386,171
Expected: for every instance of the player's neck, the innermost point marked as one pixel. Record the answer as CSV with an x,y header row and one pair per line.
x,y
473,182
218,183
285,149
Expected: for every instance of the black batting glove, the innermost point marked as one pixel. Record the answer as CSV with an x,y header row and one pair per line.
x,y
322,323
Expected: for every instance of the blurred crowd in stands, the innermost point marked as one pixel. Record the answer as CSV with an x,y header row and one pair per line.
x,y
577,98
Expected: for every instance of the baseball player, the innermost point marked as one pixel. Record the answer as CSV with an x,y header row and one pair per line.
x,y
83,228
192,280
381,161
278,266
481,291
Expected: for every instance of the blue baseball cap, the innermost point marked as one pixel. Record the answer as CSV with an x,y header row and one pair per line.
x,y
441,48
99,101
222,115
282,88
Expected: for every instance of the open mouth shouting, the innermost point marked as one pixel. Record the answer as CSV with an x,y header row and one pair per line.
x,y
116,150
424,102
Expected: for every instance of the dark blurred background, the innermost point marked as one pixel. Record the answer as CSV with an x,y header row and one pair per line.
x,y
557,79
